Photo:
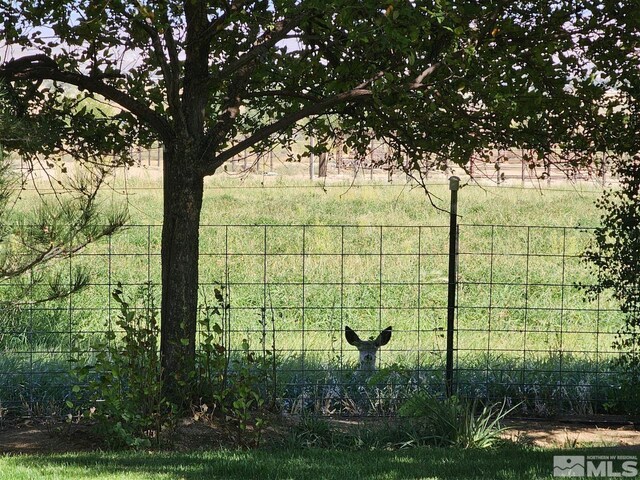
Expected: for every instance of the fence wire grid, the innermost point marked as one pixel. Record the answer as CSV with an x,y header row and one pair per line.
x,y
525,332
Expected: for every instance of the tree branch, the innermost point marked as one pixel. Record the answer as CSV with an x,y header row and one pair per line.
x,y
241,71
174,60
42,67
418,82
357,94
196,68
170,69
283,94
266,42
218,23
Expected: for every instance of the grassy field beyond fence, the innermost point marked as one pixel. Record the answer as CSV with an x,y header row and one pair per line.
x,y
299,263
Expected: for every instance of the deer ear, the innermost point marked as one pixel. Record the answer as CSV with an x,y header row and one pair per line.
x,y
383,338
351,336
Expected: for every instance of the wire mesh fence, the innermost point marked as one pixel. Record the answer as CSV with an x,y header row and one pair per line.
x,y
524,330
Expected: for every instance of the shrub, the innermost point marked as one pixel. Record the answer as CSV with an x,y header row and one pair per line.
x,y
452,421
124,385
228,385
614,254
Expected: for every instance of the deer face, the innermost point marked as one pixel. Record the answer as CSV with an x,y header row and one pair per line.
x,y
367,348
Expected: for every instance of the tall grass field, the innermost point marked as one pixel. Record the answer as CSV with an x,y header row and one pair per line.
x,y
298,262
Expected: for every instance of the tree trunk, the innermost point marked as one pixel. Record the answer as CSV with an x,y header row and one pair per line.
x,y
183,190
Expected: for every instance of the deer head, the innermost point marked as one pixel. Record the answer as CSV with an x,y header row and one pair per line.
x,y
367,348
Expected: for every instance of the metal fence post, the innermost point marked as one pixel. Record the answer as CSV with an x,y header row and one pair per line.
x,y
311,155
454,185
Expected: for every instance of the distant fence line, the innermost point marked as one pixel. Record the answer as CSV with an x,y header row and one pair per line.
x,y
523,330
503,166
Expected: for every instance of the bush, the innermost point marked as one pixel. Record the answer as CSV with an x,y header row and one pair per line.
x,y
124,385
452,421
230,386
614,255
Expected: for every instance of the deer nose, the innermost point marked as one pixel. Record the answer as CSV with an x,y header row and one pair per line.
x,y
370,358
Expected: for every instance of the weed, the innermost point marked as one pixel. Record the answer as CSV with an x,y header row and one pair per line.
x,y
312,431
452,421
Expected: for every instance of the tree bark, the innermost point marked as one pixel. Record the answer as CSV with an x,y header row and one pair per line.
x,y
183,191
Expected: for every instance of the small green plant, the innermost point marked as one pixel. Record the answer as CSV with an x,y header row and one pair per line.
x,y
232,385
212,357
312,431
244,392
124,384
452,421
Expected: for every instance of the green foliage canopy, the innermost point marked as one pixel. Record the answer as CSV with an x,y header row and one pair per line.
x,y
445,78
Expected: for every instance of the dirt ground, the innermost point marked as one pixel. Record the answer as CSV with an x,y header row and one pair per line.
x,y
29,437
575,434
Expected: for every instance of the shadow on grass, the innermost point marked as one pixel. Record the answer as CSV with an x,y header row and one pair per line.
x,y
512,462
508,462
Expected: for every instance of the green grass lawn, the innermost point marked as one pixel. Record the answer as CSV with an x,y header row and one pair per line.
x,y
511,462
